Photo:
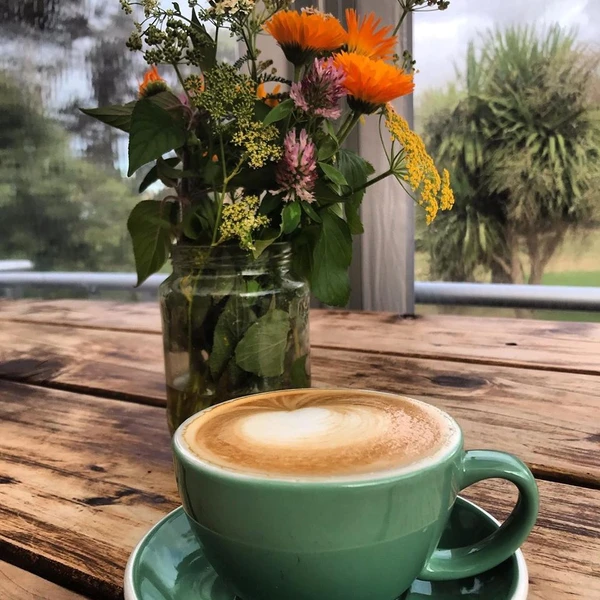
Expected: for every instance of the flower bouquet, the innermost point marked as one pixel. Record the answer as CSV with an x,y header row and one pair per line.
x,y
265,197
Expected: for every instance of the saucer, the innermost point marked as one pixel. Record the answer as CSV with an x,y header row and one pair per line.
x,y
169,564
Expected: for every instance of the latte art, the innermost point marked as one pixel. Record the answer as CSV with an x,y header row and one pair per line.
x,y
318,433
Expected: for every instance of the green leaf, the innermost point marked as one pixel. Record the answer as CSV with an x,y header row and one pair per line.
x,y
261,110
331,131
212,171
267,238
233,323
255,180
149,225
150,178
334,174
332,258
269,204
327,149
152,175
166,168
324,194
280,112
356,169
338,210
353,216
262,350
303,248
200,220
169,102
291,217
311,212
207,49
118,116
299,373
154,132
252,287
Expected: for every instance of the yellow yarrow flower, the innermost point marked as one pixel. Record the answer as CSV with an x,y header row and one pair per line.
x,y
260,142
419,170
240,220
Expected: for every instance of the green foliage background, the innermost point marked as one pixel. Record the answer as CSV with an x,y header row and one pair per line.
x,y
58,210
520,134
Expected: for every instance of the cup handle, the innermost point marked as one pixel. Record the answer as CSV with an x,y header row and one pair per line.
x,y
469,561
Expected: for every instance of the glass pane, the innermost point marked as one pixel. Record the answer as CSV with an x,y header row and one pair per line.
x,y
64,194
507,94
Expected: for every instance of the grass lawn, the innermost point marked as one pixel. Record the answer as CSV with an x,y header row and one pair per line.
x,y
573,278
576,264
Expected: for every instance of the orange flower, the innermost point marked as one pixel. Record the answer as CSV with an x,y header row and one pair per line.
x,y
269,99
302,35
372,83
152,84
365,36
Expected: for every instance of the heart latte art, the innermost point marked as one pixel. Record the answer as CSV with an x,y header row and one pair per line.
x,y
319,433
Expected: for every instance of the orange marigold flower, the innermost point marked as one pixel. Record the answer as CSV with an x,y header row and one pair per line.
x,y
153,83
269,98
302,35
365,36
372,83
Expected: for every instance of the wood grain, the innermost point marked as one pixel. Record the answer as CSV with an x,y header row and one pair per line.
x,y
549,419
83,478
122,364
562,346
95,314
563,551
548,345
16,584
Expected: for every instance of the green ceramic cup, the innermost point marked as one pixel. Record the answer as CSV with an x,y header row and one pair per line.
x,y
272,539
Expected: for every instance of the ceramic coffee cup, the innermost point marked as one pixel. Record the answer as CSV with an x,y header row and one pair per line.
x,y
347,530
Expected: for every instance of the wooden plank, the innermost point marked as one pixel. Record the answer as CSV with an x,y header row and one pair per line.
x,y
16,584
563,551
562,346
82,479
550,419
113,363
95,314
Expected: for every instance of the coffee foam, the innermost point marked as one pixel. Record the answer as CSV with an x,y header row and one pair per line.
x,y
316,434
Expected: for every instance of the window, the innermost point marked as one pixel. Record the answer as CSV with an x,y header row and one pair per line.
x,y
506,94
64,194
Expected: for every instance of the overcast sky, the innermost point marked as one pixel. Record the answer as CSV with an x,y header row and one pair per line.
x,y
441,38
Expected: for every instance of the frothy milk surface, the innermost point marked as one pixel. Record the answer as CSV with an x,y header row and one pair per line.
x,y
319,433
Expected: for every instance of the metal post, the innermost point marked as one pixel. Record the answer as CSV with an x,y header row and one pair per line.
x,y
384,271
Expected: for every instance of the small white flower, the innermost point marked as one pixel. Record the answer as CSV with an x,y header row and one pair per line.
x,y
232,7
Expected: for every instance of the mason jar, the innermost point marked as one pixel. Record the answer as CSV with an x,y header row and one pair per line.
x,y
232,325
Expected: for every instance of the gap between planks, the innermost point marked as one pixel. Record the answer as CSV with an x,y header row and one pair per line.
x,y
490,362
541,472
125,486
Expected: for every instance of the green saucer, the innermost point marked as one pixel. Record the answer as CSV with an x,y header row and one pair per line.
x,y
168,564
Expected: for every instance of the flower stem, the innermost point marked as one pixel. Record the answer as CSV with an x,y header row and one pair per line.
x,y
402,18
297,77
348,127
220,197
181,81
220,202
344,125
374,181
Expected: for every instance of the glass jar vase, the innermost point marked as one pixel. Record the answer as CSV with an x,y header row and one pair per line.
x,y
232,326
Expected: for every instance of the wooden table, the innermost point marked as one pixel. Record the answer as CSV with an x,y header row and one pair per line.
x,y
85,464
